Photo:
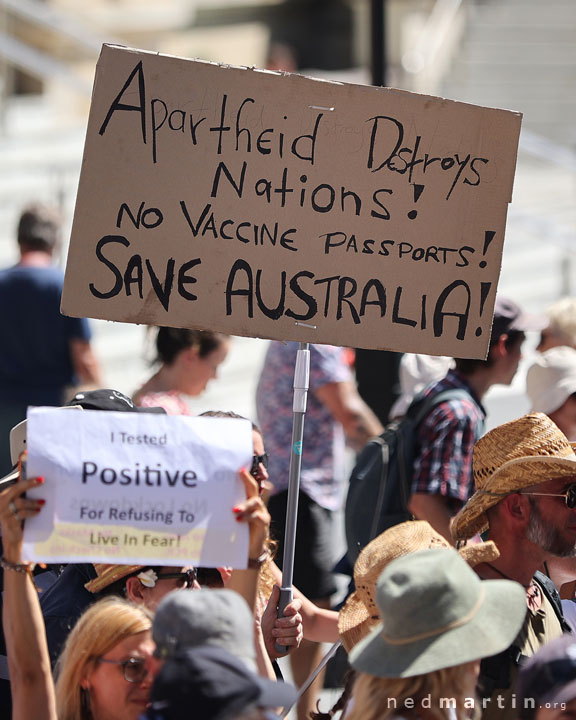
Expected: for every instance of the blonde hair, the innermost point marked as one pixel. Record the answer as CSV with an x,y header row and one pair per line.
x,y
562,316
378,698
266,579
105,624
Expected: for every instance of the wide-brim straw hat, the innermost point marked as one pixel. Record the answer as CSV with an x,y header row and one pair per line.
x,y
511,457
437,613
108,574
360,613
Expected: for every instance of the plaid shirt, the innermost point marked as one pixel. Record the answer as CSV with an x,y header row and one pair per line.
x,y
446,438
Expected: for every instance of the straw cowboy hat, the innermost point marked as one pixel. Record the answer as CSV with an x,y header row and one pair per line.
x,y
511,457
108,574
360,613
437,613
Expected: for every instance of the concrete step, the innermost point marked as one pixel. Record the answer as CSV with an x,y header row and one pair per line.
x,y
519,15
523,72
521,55
543,53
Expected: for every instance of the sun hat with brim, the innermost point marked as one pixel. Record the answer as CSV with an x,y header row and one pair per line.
x,y
551,379
108,574
360,612
517,455
437,613
548,677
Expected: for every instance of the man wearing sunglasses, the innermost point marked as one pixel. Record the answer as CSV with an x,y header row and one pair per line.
x,y
525,500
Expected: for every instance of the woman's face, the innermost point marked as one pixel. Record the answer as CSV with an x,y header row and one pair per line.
x,y
204,369
112,697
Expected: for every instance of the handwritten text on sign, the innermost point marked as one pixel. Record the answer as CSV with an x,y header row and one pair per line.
x,y
285,207
137,488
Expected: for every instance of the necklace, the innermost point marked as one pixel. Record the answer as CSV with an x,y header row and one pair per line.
x,y
507,577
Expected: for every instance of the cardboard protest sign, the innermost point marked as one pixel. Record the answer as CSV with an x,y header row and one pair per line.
x,y
279,206
137,488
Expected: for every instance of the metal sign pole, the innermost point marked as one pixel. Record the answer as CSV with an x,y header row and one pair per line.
x,y
301,385
313,675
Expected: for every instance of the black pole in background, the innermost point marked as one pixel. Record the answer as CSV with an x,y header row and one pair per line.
x,y
378,44
377,370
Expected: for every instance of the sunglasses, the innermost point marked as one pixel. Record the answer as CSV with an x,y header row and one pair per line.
x,y
134,668
256,460
187,576
569,495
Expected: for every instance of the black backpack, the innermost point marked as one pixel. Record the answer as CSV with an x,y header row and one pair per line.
x,y
380,483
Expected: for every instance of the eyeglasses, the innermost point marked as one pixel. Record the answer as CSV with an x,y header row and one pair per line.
x,y
134,668
569,495
256,460
187,576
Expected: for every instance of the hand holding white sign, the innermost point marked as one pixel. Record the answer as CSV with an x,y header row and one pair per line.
x,y
14,509
254,512
137,488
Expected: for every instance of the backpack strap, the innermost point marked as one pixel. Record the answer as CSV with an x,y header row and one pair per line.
x,y
553,597
495,670
385,457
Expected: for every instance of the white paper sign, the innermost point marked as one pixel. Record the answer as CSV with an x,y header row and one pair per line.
x,y
137,488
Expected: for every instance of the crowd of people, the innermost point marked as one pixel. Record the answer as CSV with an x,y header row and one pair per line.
x,y
465,611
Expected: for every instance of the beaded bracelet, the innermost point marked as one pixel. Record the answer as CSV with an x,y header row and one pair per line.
x,y
24,568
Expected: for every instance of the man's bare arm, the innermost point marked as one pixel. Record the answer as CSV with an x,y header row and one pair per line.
x,y
434,509
346,405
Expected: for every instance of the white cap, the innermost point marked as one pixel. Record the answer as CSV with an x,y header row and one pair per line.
x,y
551,379
416,372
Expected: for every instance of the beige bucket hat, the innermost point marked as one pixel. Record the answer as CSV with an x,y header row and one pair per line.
x,y
511,457
360,613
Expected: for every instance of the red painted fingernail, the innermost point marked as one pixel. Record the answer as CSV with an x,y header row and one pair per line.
x,y
238,518
236,509
39,480
41,502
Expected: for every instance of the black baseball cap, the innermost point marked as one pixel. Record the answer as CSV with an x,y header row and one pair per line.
x,y
107,399
209,683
